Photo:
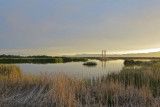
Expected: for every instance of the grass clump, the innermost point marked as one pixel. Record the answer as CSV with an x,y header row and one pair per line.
x,y
8,71
90,63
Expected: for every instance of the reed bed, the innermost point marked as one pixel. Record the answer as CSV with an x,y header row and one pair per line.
x,y
31,60
130,87
41,60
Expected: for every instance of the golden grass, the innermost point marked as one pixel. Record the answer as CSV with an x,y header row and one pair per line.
x,y
59,90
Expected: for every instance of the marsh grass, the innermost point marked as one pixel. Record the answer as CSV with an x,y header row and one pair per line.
x,y
30,60
134,87
41,60
10,71
145,77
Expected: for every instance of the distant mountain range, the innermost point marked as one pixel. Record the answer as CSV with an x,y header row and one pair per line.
x,y
153,54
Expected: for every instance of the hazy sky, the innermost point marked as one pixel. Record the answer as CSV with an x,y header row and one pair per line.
x,y
58,27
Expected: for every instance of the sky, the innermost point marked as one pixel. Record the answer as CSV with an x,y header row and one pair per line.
x,y
67,27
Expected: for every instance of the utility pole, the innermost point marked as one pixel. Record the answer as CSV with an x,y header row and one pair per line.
x,y
102,53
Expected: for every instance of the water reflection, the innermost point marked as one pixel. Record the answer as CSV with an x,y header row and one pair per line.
x,y
75,69
103,64
78,70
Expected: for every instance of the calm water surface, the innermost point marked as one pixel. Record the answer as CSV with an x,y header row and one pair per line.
x,y
76,69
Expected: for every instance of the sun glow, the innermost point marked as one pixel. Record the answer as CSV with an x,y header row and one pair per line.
x,y
134,51
144,51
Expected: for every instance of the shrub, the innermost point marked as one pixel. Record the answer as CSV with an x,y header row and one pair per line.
x,y
90,63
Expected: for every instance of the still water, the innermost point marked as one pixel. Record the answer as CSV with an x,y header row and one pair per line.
x,y
75,69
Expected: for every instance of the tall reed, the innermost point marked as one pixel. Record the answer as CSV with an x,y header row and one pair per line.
x,y
130,87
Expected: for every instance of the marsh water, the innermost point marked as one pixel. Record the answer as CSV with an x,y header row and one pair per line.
x,y
75,69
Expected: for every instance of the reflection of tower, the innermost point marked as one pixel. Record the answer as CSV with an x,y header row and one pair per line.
x,y
103,64
104,58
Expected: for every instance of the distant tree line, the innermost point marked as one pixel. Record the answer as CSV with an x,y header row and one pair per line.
x,y
18,56
38,59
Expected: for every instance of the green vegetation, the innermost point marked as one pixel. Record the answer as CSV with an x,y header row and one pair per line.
x,y
38,59
8,71
31,60
74,59
90,63
139,78
18,56
130,87
139,63
132,63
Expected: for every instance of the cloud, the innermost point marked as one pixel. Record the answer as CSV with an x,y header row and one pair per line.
x,y
79,26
